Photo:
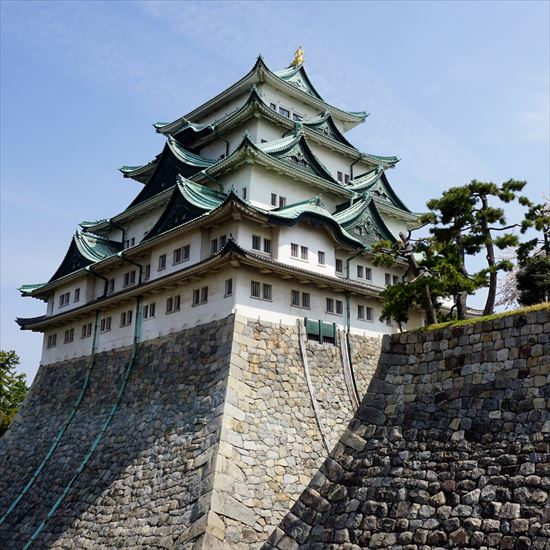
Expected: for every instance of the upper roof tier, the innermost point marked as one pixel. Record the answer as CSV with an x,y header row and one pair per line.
x,y
293,82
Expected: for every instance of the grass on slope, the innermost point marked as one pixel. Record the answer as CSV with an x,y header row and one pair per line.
x,y
448,324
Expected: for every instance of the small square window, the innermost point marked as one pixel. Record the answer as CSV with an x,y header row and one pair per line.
x,y
339,307
387,279
321,257
284,112
296,116
330,305
76,297
162,262
369,313
186,251
360,312
294,298
256,242
69,336
368,273
294,250
266,291
213,246
223,241
273,199
304,252
267,246
346,178
149,310
147,272
111,286
395,280
273,106
204,294
360,271
282,202
339,266
306,300
52,341
340,176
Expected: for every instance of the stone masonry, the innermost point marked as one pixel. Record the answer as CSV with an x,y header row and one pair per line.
x,y
215,438
450,447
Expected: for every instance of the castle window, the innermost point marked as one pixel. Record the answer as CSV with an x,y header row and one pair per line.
x,y
339,307
126,318
267,246
228,287
256,242
304,252
294,250
387,279
330,305
368,273
346,178
173,304
180,254
360,271
296,116
282,202
395,280
263,291
213,246
129,242
284,112
86,330
340,176
200,295
147,272
321,257
111,286
273,199
149,310
162,262
130,278
64,299
273,106
300,299
69,336
369,313
76,297
339,266
52,341
105,324
361,312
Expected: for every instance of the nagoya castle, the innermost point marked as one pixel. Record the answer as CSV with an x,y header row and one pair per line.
x,y
206,346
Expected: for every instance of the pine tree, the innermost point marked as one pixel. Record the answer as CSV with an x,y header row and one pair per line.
x,y
13,388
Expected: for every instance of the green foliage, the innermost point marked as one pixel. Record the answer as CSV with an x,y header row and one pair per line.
x,y
533,280
13,388
538,218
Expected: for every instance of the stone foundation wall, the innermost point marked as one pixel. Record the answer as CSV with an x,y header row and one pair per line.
x,y
364,355
143,485
215,438
449,449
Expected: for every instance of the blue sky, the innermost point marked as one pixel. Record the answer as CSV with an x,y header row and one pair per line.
x,y
456,90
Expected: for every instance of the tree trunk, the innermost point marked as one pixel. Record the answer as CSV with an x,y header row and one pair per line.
x,y
490,248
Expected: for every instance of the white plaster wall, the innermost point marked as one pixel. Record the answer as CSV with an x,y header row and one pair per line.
x,y
395,225
227,108
315,240
218,147
271,95
84,283
264,182
378,273
192,238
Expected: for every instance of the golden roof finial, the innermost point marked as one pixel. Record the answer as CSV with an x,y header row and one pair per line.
x,y
298,57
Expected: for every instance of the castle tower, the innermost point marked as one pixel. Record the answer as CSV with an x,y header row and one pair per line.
x,y
214,337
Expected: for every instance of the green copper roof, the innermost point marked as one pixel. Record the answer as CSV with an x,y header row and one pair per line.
x,y
141,172
297,76
364,182
312,207
27,289
88,223
295,151
324,124
199,195
85,249
187,157
363,219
